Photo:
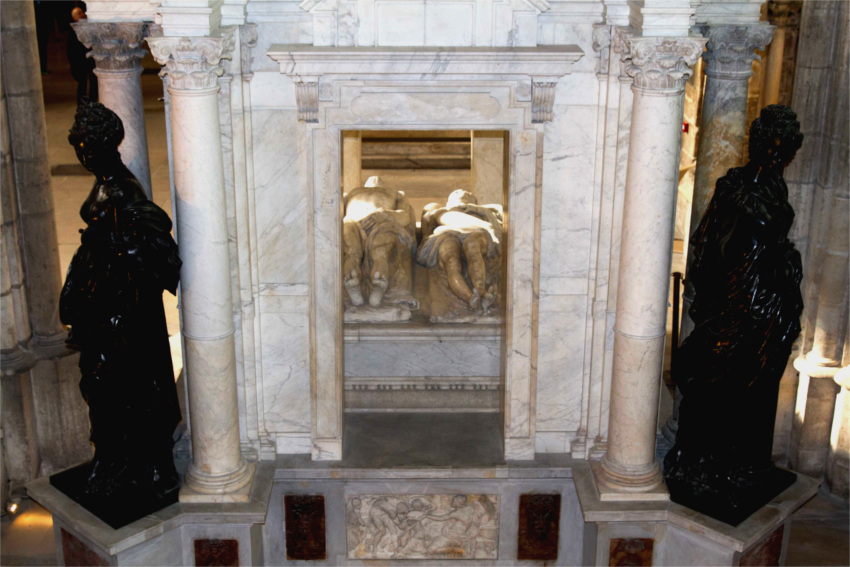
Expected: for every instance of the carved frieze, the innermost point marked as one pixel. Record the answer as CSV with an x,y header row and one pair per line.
x,y
192,63
115,46
731,49
429,526
661,63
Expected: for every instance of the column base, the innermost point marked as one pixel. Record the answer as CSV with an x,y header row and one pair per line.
x,y
519,449
229,488
327,449
622,486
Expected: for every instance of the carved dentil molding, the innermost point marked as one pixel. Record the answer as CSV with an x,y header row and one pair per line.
x,y
115,46
192,63
731,49
661,63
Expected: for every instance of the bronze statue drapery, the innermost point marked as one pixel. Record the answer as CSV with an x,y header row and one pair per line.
x,y
112,299
746,312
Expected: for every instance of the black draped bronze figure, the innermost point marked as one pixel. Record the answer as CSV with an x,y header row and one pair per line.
x,y
112,299
746,312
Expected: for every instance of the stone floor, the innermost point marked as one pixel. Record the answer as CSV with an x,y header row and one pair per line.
x,y
819,533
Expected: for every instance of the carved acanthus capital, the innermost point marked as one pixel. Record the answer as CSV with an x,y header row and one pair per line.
x,y
115,46
601,44
192,63
661,63
248,41
731,49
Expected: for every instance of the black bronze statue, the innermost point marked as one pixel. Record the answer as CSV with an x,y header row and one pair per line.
x,y
112,299
746,312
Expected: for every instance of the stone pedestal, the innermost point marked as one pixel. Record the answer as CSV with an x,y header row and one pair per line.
x,y
115,49
660,67
838,461
218,473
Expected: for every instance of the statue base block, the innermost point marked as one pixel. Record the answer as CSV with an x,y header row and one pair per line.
x,y
119,509
733,505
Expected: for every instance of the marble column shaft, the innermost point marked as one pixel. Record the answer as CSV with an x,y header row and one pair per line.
x,y
728,67
116,51
660,67
28,145
217,471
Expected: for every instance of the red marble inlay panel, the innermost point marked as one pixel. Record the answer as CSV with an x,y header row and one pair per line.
x,y
636,551
539,524
218,552
304,518
78,554
767,551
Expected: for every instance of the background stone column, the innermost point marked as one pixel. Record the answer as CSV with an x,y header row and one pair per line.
x,y
660,67
728,66
117,55
28,148
218,473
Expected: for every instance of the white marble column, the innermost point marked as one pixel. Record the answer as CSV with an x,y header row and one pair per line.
x,y
728,66
218,472
116,51
660,67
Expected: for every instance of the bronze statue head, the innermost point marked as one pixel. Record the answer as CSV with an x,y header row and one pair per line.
x,y
775,137
95,135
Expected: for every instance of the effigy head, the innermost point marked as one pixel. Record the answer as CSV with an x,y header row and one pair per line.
x,y
775,136
461,197
96,134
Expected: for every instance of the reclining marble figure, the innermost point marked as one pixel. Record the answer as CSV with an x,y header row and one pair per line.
x,y
379,239
461,247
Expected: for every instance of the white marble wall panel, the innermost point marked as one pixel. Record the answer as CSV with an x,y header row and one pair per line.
x,y
401,23
569,153
554,30
449,23
277,24
272,90
578,89
560,360
282,208
285,347
410,358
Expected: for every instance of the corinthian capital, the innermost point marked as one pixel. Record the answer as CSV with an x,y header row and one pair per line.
x,y
731,49
115,46
192,63
661,63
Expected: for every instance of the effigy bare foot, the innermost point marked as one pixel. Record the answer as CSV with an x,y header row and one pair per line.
x,y
379,287
488,300
351,283
475,301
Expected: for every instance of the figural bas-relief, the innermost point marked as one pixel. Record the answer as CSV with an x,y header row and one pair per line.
x,y
433,526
